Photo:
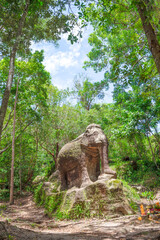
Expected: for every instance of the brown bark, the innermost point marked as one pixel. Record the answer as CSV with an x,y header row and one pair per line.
x,y
52,154
9,118
153,43
13,149
20,168
137,147
6,94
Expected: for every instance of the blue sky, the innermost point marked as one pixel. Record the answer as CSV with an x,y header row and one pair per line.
x,y
66,61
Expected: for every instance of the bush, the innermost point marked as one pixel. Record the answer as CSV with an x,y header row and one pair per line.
x,y
146,173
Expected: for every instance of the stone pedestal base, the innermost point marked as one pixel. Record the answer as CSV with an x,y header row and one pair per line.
x,y
106,177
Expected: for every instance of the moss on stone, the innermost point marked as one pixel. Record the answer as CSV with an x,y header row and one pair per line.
x,y
130,192
53,202
38,180
55,185
114,183
68,202
37,193
99,199
132,196
80,210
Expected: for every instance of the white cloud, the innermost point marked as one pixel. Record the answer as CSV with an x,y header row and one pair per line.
x,y
66,61
61,59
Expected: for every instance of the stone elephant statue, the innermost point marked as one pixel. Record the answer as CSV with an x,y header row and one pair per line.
x,y
79,160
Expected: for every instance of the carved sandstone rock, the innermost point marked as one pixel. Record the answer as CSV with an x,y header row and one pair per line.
x,y
102,198
79,160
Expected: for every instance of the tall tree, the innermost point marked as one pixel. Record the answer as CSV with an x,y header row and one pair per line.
x,y
13,149
119,44
24,21
146,9
87,92
5,99
34,80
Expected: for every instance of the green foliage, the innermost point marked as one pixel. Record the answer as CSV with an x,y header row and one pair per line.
x,y
118,42
133,205
33,225
145,174
34,80
131,195
120,48
131,192
148,194
45,20
80,210
3,207
45,118
86,92
37,193
53,202
61,215
4,194
10,237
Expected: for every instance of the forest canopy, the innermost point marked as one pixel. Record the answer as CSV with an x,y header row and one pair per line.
x,y
125,43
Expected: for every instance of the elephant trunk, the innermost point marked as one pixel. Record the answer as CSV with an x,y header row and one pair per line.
x,y
103,151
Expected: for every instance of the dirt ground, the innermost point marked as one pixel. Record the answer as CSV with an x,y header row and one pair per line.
x,y
25,221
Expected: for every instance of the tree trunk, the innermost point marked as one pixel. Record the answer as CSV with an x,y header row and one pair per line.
x,y
13,150
52,153
137,148
6,94
153,43
20,168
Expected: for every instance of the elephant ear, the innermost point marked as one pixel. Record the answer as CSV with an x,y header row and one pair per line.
x,y
85,140
89,137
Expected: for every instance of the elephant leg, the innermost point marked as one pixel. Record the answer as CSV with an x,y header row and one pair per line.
x,y
63,179
104,160
84,173
97,168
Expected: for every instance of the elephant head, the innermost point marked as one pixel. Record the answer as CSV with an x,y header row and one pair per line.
x,y
93,136
95,142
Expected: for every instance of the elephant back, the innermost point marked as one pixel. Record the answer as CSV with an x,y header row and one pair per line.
x,y
69,155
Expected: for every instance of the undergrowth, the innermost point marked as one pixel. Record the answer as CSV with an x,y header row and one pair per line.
x,y
131,195
140,172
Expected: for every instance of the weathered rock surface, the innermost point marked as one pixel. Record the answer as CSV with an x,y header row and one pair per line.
x,y
103,198
79,160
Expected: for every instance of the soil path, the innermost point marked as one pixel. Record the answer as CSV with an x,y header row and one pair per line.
x,y
25,221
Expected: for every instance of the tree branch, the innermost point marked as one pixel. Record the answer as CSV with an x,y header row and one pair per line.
x,y
10,116
49,152
9,145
